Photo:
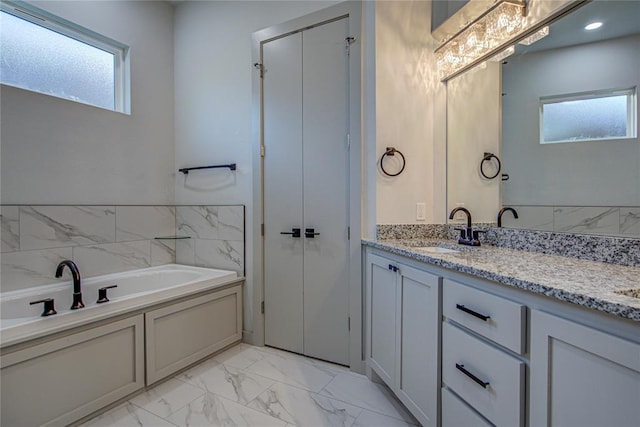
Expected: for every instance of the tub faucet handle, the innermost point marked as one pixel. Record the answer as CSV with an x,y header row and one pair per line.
x,y
49,309
102,294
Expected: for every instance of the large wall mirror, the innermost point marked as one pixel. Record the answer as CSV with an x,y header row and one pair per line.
x,y
561,115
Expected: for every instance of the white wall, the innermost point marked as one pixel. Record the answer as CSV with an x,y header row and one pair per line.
x,y
406,84
213,102
56,151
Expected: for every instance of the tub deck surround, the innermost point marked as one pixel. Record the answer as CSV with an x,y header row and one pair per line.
x,y
136,290
586,283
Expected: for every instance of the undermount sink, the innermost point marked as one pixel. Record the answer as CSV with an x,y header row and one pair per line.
x,y
438,250
629,292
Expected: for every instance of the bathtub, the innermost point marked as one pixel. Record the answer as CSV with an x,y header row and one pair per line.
x,y
137,289
75,364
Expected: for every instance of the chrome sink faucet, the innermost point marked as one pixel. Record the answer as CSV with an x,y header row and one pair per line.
x,y
75,273
467,235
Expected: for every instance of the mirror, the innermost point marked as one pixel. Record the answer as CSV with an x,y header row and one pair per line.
x,y
561,116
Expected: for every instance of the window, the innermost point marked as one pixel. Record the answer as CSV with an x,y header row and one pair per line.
x,y
46,54
602,115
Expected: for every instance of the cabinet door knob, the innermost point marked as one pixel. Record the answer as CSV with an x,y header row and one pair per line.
x,y
473,313
461,368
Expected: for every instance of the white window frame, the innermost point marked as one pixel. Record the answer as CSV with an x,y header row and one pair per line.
x,y
630,93
120,51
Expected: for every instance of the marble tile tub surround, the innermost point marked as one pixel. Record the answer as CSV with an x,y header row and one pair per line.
x,y
604,220
108,239
608,249
594,285
261,386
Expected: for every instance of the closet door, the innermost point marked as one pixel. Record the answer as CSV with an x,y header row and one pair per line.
x,y
305,107
283,262
325,159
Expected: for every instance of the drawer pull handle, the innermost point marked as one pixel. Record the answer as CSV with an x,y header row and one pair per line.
x,y
461,368
473,313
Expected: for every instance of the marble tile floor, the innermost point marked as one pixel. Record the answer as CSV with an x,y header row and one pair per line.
x,y
261,386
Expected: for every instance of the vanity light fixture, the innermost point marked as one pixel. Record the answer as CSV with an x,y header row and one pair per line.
x,y
504,54
540,34
482,37
593,26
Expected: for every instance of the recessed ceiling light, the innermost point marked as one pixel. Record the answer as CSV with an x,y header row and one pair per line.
x,y
593,26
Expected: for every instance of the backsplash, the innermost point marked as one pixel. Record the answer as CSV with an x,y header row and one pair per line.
x,y
606,220
608,249
109,239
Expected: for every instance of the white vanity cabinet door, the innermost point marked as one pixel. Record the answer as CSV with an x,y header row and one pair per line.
x,y
498,319
60,381
381,317
183,333
403,317
581,376
501,399
455,413
418,369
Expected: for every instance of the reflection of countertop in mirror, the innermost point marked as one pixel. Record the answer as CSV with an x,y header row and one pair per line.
x,y
586,283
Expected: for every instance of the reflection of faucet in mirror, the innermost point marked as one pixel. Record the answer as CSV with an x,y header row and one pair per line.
x,y
467,235
502,211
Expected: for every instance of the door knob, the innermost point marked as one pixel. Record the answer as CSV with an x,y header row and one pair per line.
x,y
295,232
310,233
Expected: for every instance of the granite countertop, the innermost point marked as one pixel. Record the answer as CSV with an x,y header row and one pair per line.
x,y
586,283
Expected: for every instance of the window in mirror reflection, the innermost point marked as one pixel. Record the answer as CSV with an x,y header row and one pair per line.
x,y
588,117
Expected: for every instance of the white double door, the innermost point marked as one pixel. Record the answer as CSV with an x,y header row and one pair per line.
x,y
305,118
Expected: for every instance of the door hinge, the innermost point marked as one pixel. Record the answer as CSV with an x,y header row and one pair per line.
x,y
262,229
262,151
349,41
348,142
349,323
348,233
262,307
260,67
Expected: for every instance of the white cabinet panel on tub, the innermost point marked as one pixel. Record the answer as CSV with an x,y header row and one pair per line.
x,y
183,333
582,376
63,380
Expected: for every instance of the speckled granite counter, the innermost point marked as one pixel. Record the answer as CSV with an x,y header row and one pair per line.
x,y
586,283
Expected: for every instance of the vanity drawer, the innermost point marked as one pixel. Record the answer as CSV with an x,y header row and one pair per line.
x,y
456,413
491,316
488,379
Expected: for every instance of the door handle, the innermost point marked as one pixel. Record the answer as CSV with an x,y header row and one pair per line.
x,y
310,233
295,232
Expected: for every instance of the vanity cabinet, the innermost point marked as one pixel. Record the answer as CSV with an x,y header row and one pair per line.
x,y
403,311
581,376
477,330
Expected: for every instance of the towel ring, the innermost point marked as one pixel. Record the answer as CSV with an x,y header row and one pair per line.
x,y
488,157
391,151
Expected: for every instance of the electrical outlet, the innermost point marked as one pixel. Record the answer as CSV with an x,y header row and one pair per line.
x,y
421,211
